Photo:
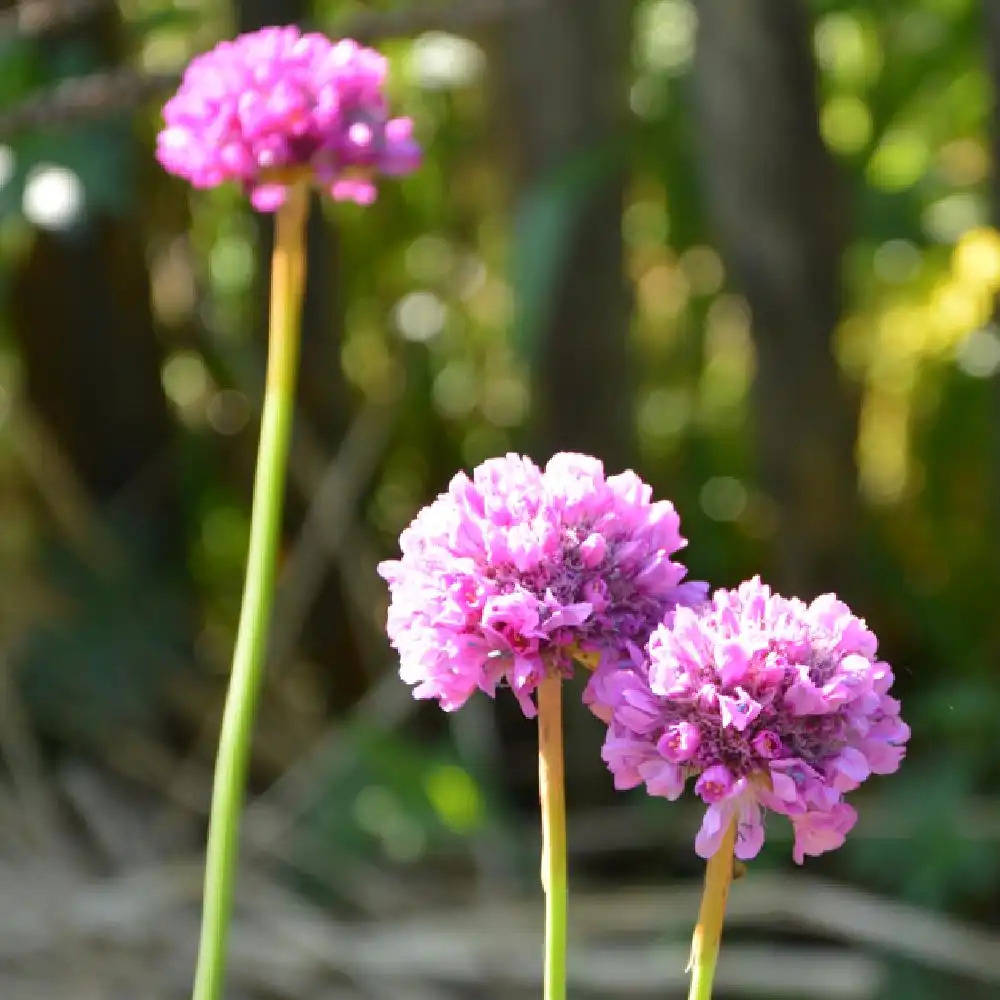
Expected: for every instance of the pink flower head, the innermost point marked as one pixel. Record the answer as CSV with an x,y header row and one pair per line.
x,y
766,702
518,571
275,104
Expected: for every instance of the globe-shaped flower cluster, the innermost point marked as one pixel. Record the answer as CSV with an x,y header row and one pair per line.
x,y
272,106
767,703
519,571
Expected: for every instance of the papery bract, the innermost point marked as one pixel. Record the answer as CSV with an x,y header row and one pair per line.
x,y
767,702
519,571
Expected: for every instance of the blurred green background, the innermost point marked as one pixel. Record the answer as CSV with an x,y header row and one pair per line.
x,y
746,247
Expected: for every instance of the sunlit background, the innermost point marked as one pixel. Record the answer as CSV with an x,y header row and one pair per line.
x,y
747,249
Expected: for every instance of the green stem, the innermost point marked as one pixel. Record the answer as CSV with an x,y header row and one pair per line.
x,y
287,278
553,801
708,932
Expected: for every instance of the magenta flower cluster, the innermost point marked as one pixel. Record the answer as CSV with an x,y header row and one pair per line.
x,y
520,571
767,703
266,105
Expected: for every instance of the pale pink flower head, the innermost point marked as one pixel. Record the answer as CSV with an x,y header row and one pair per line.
x,y
517,572
768,703
275,105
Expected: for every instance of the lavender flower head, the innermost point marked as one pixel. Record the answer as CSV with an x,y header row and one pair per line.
x,y
516,572
266,108
767,703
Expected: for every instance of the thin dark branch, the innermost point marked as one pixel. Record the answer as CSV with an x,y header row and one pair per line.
x,y
31,18
459,15
85,98
329,519
96,95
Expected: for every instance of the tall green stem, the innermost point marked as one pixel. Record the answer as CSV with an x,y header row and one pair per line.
x,y
553,801
708,932
287,279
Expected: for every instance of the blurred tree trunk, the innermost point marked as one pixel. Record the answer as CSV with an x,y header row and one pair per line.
x,y
562,90
563,79
780,210
991,40
322,391
82,320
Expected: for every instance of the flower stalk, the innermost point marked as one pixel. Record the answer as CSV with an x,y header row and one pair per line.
x,y
249,658
553,802
708,931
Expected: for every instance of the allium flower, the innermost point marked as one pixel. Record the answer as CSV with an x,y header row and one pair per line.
x,y
274,104
519,571
766,703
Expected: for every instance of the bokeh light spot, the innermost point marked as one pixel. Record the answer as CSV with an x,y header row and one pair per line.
x,y
374,808
420,316
8,164
645,222
455,798
900,161
704,270
846,124
185,379
505,401
455,390
441,61
231,262
53,197
723,498
647,97
666,35
963,162
948,218
976,259
896,261
663,291
848,49
228,412
429,258
979,354
664,412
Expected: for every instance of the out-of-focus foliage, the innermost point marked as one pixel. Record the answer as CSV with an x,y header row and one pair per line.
x,y
443,289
